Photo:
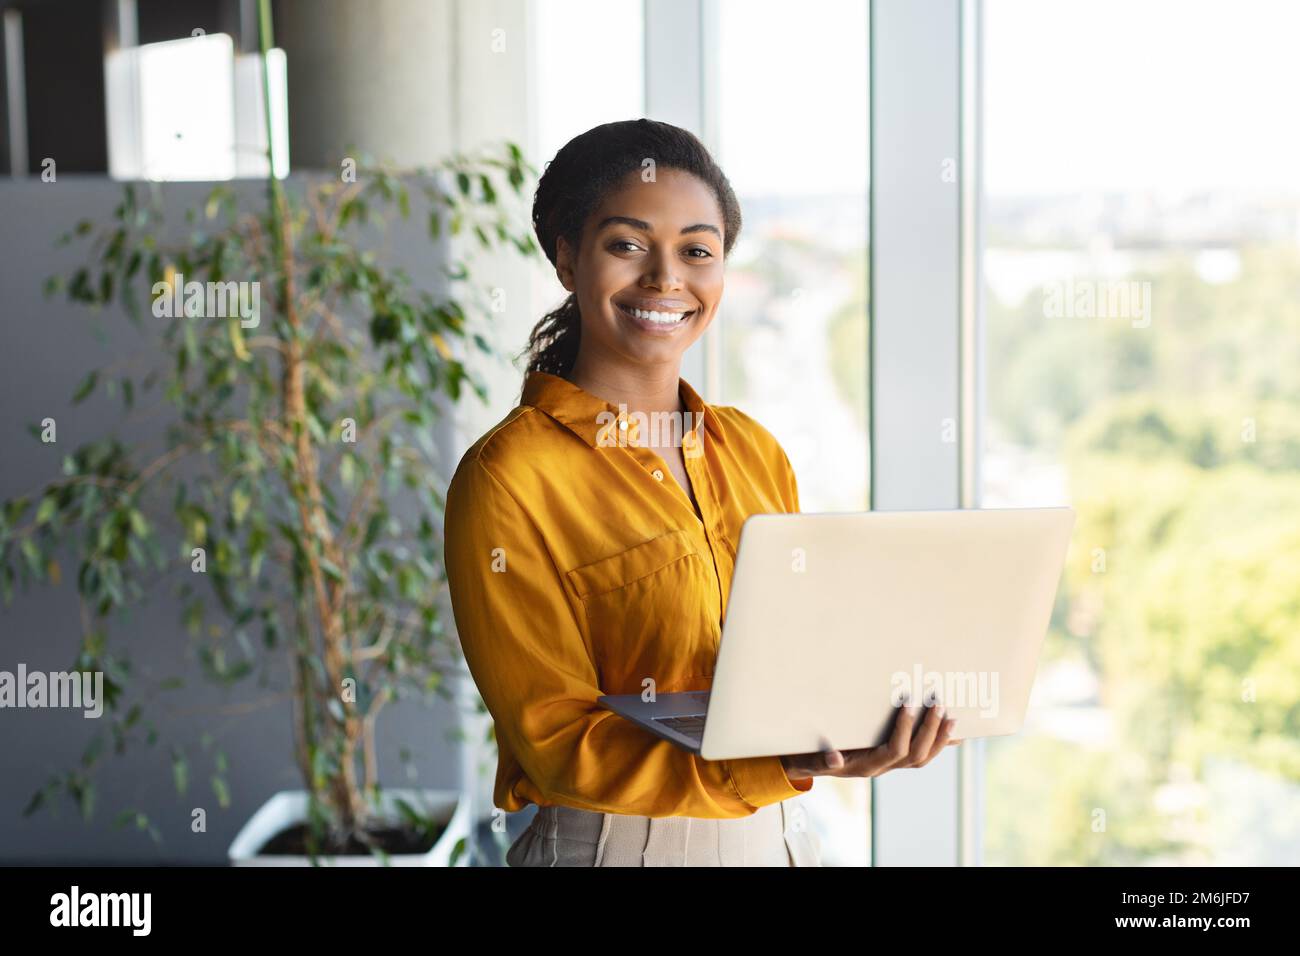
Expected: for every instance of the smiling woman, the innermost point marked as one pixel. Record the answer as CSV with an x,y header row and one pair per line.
x,y
577,568
622,197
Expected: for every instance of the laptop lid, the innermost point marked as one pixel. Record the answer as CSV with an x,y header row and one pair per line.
x,y
831,617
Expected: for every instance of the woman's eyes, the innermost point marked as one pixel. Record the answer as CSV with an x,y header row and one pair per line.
x,y
619,245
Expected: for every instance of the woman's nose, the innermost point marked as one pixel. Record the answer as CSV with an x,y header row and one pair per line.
x,y
661,273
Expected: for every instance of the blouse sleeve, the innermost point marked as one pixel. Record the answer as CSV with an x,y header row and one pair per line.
x,y
528,656
789,486
773,456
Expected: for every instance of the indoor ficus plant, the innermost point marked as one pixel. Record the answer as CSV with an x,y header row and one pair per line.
x,y
294,499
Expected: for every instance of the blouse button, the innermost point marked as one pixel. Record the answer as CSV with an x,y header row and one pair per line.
x,y
658,473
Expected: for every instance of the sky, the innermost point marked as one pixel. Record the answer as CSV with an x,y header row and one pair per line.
x,y
1079,94
1138,94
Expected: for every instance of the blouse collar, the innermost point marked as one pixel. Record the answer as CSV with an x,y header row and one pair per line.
x,y
581,412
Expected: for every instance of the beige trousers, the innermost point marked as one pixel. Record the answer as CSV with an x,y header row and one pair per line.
x,y
775,835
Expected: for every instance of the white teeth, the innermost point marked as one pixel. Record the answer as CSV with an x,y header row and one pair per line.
x,y
663,318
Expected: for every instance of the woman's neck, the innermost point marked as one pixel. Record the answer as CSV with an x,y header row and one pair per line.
x,y
645,390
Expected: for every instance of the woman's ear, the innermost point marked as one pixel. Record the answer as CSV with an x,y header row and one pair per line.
x,y
564,263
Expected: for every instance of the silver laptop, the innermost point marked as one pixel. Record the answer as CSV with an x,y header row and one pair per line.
x,y
833,619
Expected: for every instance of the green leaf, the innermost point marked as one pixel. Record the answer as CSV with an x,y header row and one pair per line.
x,y
86,387
239,503
49,506
192,618
373,527
458,850
39,798
33,556
180,772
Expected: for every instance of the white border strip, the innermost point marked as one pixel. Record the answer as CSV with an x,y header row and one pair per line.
x,y
916,298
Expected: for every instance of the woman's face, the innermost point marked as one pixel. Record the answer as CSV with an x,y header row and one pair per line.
x,y
649,254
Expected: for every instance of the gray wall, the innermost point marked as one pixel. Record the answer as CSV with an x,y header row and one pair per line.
x,y
48,346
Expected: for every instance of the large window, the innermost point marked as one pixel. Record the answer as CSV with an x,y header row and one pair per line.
x,y
1142,283
793,142
794,331
590,68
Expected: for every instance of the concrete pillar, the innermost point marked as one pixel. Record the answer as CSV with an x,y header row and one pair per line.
x,y
370,79
409,82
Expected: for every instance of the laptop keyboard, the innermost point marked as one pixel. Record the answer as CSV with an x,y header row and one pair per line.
x,y
691,726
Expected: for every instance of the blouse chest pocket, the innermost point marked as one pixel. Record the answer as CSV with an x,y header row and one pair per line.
x,y
652,612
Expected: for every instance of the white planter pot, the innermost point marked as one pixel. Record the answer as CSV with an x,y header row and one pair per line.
x,y
289,807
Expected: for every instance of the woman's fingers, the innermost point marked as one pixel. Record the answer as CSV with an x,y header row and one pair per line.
x,y
919,752
834,759
882,758
931,738
940,741
831,758
903,750
828,759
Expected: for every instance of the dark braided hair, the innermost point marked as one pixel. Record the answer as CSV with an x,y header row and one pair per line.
x,y
575,183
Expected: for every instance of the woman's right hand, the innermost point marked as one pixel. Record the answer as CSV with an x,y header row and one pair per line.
x,y
902,750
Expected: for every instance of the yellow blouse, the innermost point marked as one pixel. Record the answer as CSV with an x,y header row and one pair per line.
x,y
578,567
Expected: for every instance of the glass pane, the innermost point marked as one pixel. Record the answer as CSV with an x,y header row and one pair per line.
x,y
590,67
793,143
1142,297
193,109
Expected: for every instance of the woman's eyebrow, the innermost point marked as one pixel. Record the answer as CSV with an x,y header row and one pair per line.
x,y
645,226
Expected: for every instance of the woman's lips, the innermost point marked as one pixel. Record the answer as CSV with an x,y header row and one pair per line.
x,y
657,328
